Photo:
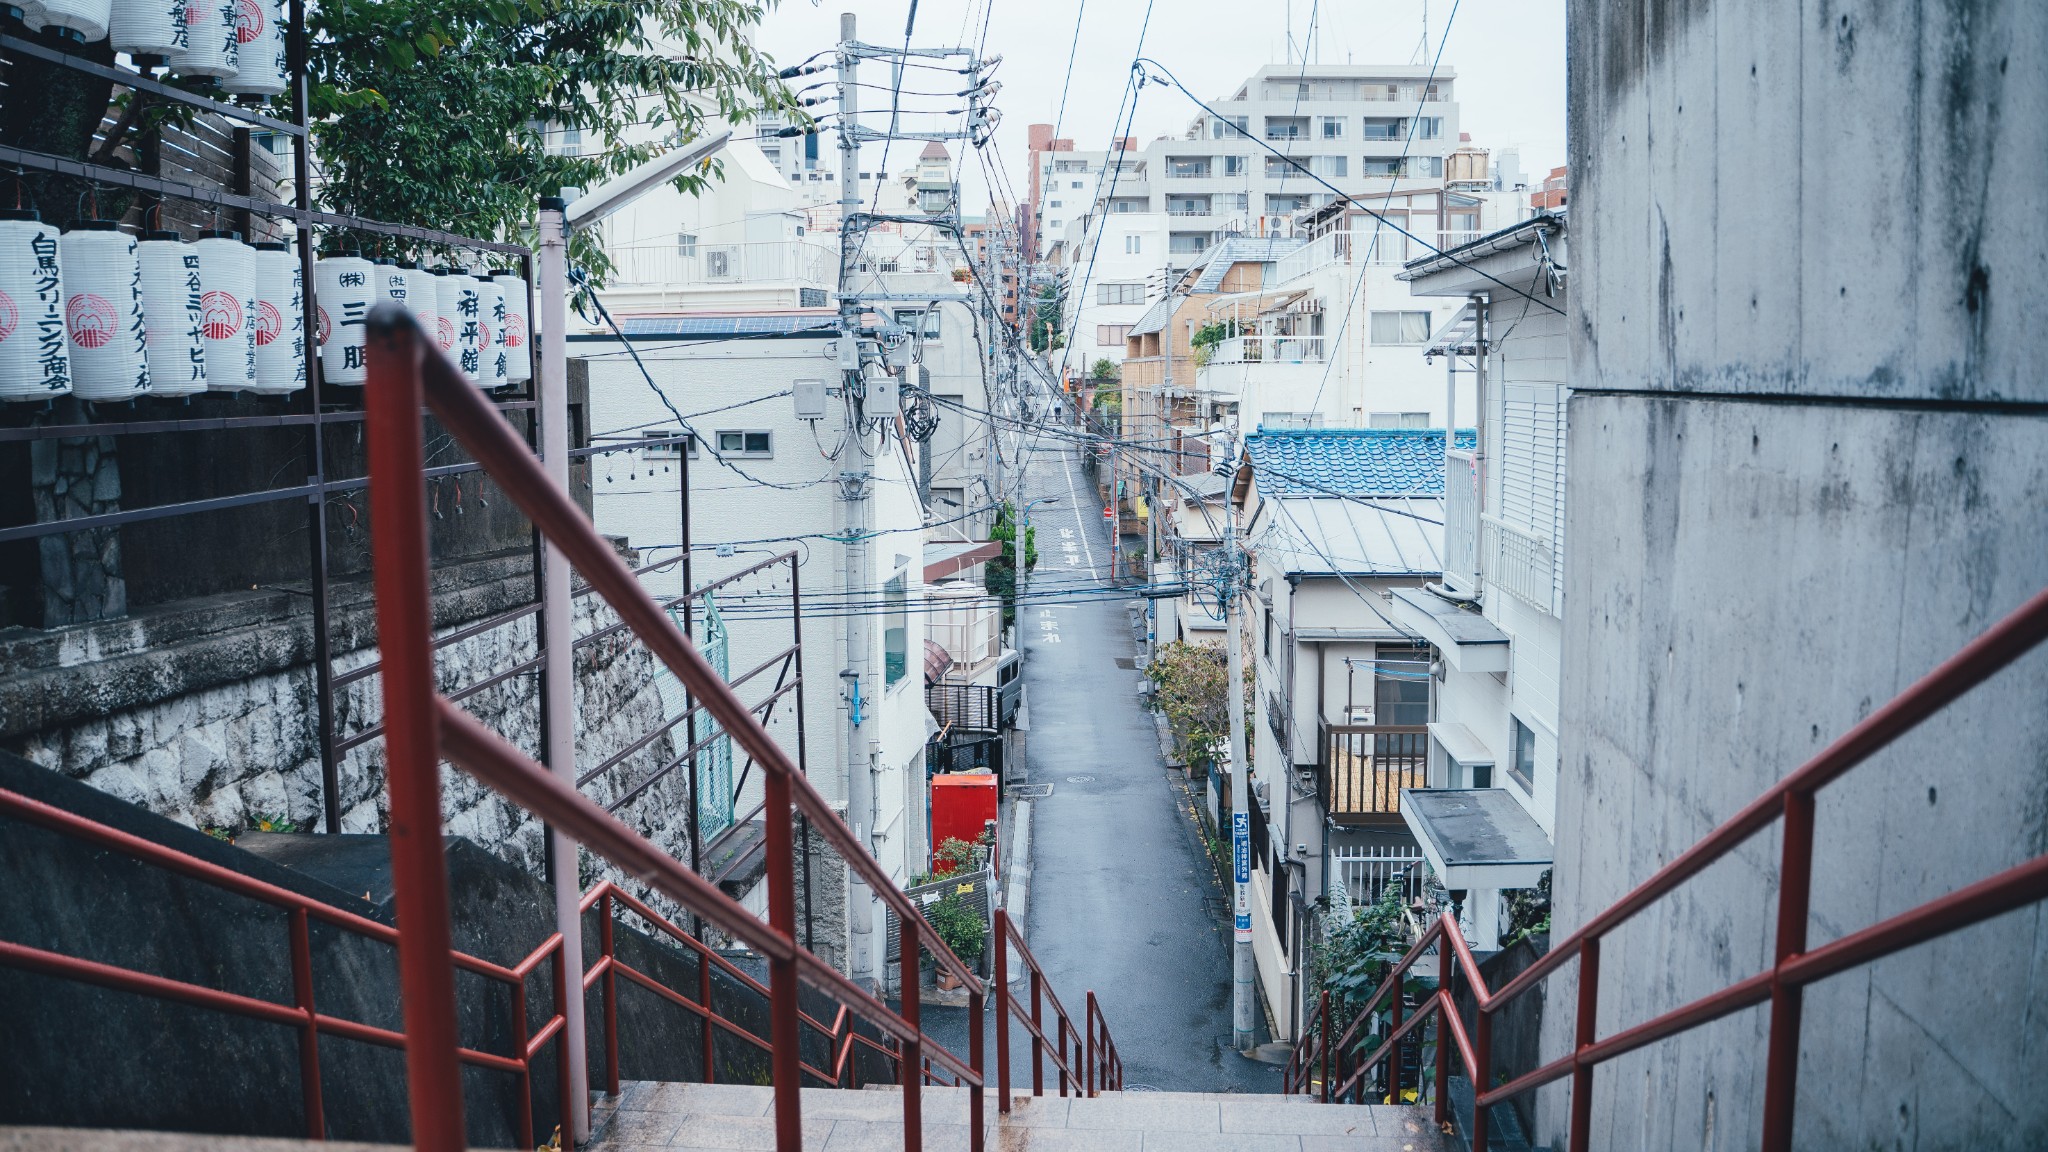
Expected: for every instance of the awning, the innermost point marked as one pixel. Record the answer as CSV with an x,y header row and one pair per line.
x,y
1468,641
1476,837
1461,744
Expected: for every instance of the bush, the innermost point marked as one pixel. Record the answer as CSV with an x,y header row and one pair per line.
x,y
959,925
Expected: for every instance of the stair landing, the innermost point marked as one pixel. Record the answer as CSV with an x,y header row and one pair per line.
x,y
705,1117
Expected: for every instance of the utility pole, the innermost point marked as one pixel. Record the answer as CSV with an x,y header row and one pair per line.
x,y
853,493
1241,977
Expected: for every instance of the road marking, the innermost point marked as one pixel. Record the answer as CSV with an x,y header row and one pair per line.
x,y
1074,502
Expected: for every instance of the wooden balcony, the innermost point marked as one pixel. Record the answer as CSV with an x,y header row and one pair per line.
x,y
1361,769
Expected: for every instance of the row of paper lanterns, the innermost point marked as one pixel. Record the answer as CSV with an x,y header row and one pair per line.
x,y
97,314
238,42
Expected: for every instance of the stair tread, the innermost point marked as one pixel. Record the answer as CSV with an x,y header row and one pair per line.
x,y
676,1117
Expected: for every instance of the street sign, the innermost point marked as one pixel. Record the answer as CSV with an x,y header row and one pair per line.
x,y
1241,860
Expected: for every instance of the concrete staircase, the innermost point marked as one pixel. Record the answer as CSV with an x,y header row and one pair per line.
x,y
691,1117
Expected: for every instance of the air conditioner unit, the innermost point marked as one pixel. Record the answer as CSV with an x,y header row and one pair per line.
x,y
722,263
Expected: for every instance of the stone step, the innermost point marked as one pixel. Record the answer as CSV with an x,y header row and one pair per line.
x,y
694,1117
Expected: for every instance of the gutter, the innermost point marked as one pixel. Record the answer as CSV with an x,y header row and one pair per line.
x,y
1506,240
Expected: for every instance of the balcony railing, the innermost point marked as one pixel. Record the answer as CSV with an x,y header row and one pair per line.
x,y
1269,350
1519,562
712,265
1461,522
1362,769
1188,211
970,635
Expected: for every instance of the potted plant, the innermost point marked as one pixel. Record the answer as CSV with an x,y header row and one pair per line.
x,y
962,930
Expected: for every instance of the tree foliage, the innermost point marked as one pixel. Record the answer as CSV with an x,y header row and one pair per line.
x,y
436,114
1356,953
1192,687
1047,327
999,575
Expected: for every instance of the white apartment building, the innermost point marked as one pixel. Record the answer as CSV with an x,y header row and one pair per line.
x,y
1115,267
1486,821
1068,186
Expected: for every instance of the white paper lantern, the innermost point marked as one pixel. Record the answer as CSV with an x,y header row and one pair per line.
x,y
212,44
35,355
82,20
172,311
260,63
148,28
227,290
461,321
490,340
29,12
387,281
343,291
423,296
103,312
280,318
518,338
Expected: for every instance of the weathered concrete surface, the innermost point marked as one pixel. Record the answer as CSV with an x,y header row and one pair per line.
x,y
1809,460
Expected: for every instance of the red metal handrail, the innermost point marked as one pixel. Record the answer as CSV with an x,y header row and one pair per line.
x,y
423,727
301,1013
1100,1068
1782,985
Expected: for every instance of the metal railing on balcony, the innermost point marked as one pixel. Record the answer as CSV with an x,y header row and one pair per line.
x,y
1461,522
1518,561
1269,350
1333,1065
713,265
1364,871
1361,769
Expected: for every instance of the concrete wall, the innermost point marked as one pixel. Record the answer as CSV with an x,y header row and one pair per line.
x,y
1809,455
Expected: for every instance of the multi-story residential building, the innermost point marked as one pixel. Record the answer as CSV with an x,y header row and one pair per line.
x,y
1495,622
1113,270
1358,127
1334,523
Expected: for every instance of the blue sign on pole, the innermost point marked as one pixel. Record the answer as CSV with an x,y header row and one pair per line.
x,y
1241,845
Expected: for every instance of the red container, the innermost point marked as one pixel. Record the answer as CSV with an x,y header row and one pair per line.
x,y
962,805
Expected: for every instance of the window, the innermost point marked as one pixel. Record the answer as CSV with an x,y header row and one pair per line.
x,y
1397,420
1054,204
673,450
1280,167
755,444
1227,127
1074,184
1400,327
686,245
1401,682
1234,165
1332,165
1522,767
1120,294
1133,245
924,321
895,631
1111,335
1429,127
1374,167
572,141
890,265
1333,127
1283,205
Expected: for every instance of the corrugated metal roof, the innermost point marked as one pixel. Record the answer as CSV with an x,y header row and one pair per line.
x,y
1156,317
1231,250
1329,536
1352,461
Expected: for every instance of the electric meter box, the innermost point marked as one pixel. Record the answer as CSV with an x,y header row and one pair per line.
x,y
810,399
882,395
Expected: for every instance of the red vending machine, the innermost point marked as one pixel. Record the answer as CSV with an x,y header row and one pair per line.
x,y
962,805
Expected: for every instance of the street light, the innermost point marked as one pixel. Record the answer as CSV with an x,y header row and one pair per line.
x,y
559,218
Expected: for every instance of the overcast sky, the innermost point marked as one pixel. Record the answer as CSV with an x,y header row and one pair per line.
x,y
1508,56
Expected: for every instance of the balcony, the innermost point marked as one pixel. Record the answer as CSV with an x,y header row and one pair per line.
x,y
1361,769
1390,251
715,265
971,633
1520,563
1461,522
1269,350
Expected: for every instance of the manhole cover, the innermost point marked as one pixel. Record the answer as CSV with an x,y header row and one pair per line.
x,y
1080,779
1030,791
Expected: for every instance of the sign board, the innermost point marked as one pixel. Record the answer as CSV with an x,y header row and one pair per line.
x,y
1241,859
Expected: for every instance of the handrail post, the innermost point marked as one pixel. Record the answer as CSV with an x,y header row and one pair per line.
x,y
1323,1038
1391,1073
786,1055
976,1107
1088,1058
1582,1039
1004,1006
710,1041
565,1065
1795,882
611,996
1064,1027
412,740
1445,927
309,1032
1037,1034
1482,1065
520,1034
909,951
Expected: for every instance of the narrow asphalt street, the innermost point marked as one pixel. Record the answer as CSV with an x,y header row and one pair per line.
x,y
1122,899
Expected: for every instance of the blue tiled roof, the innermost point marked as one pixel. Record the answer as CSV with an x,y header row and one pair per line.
x,y
1352,461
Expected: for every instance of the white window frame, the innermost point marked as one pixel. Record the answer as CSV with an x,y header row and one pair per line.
x,y
667,451
1404,327
743,452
